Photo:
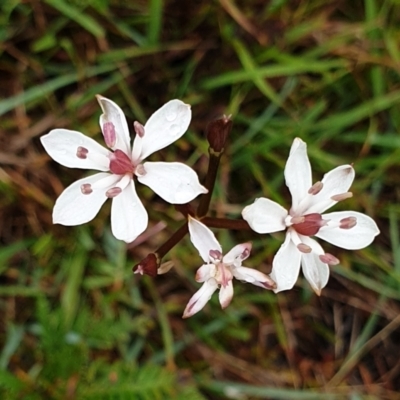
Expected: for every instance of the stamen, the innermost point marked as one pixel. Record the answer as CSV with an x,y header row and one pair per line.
x,y
342,196
245,253
297,220
86,188
215,254
82,152
113,192
329,259
316,188
109,134
139,170
304,248
139,128
348,223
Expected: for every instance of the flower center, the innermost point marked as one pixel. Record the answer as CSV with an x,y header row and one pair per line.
x,y
308,225
120,163
223,275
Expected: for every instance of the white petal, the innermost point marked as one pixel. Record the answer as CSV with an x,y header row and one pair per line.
x,y
204,272
286,265
114,114
203,239
165,126
315,271
62,146
226,294
298,172
355,238
237,254
253,276
75,208
200,298
128,215
175,182
336,181
265,216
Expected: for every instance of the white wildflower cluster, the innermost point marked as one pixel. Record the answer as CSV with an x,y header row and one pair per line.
x,y
122,165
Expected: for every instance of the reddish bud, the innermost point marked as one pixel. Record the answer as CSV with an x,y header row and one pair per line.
x,y
217,132
148,266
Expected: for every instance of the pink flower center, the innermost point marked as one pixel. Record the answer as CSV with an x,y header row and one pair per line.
x,y
120,163
224,275
308,225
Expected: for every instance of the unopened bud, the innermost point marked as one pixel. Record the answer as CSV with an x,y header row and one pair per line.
x,y
348,223
329,259
82,152
342,196
304,248
148,266
217,133
316,188
139,128
86,188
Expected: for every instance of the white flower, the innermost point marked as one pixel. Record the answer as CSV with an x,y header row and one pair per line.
x,y
347,229
219,270
174,182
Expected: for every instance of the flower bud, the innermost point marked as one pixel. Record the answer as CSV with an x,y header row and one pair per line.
x,y
217,132
148,266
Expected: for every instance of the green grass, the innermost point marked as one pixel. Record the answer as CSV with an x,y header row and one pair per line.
x,y
76,323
